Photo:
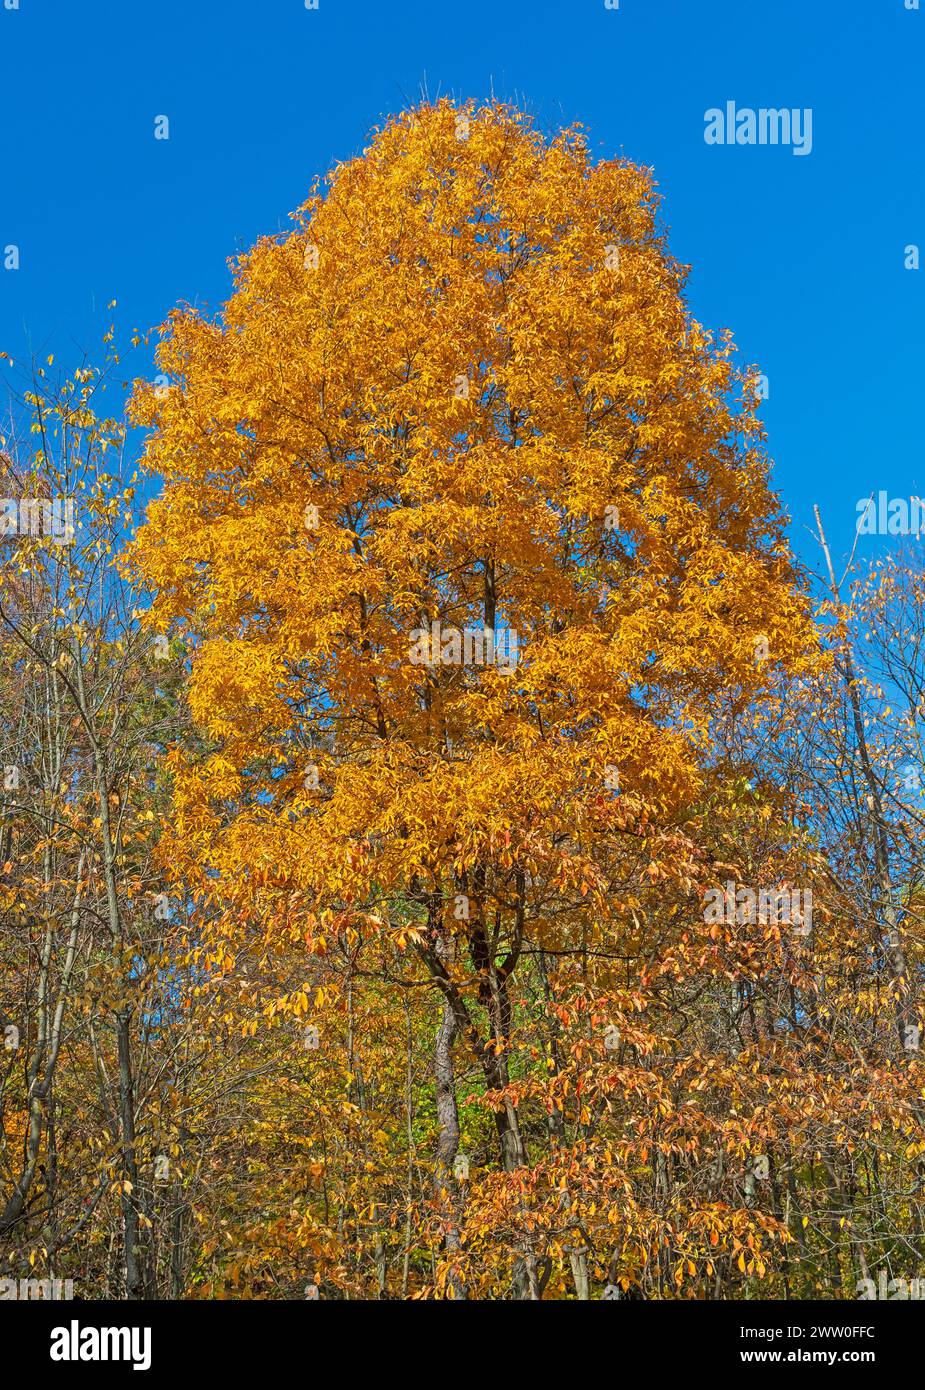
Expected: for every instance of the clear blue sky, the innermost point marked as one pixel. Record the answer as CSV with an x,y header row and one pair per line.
x,y
802,257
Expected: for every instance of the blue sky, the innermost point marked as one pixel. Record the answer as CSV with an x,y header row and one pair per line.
x,y
801,256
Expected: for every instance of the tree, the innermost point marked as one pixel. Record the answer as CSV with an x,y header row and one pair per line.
x,y
466,524
88,966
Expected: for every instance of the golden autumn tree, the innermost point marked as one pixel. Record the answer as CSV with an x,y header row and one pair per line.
x,y
467,524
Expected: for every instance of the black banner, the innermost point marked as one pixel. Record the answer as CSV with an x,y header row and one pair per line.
x,y
160,1340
